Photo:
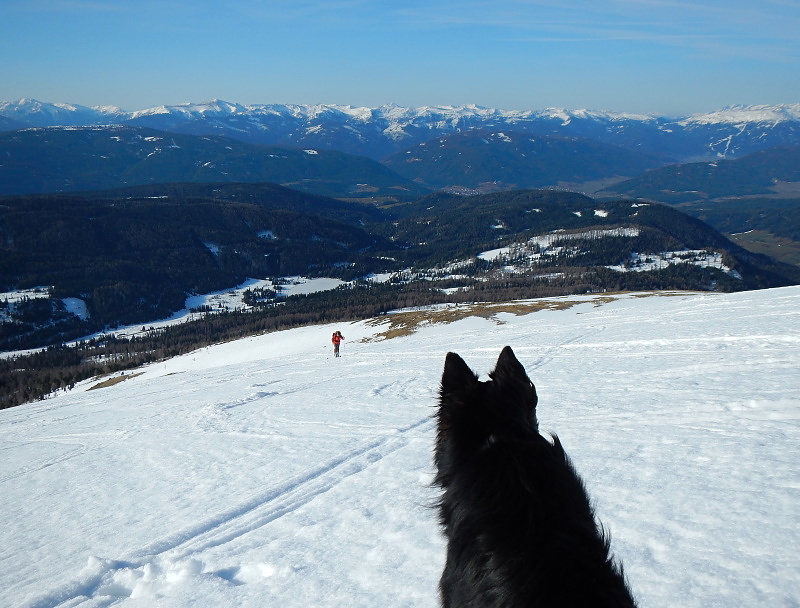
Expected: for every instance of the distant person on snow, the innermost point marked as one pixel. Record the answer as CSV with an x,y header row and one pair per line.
x,y
336,339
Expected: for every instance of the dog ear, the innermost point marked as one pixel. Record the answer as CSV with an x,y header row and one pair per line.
x,y
510,375
508,367
457,374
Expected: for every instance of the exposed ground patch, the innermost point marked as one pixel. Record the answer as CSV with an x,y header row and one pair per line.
x,y
113,381
407,322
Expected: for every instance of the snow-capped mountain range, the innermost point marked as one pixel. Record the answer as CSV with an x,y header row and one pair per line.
x,y
378,132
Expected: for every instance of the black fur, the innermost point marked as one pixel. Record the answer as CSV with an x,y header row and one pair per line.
x,y
517,518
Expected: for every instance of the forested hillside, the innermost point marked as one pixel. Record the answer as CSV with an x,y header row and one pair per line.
x,y
101,157
502,160
755,199
135,258
767,172
134,255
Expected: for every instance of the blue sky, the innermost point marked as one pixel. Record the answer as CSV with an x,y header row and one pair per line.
x,y
670,57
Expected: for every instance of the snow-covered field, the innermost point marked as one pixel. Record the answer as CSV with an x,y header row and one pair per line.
x,y
264,472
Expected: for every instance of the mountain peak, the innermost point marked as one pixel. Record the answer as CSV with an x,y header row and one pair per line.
x,y
380,131
748,114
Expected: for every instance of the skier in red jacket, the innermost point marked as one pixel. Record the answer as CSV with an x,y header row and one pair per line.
x,y
336,339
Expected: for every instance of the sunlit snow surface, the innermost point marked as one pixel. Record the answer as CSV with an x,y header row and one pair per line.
x,y
264,472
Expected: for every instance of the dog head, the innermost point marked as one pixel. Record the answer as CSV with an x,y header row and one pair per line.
x,y
519,524
473,414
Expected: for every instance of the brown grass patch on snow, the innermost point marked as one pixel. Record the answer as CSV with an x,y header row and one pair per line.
x,y
113,381
407,322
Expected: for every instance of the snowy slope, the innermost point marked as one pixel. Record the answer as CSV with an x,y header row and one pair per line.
x,y
266,473
739,115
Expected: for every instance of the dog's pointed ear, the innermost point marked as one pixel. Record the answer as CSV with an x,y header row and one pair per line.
x,y
508,367
457,374
510,375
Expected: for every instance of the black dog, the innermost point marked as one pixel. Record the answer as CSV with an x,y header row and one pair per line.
x,y
519,525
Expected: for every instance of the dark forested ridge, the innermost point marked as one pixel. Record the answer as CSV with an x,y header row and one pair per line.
x,y
467,160
86,158
765,172
499,160
131,256
758,193
134,256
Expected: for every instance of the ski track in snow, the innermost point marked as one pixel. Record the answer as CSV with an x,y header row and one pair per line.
x,y
104,582
266,472
276,502
223,527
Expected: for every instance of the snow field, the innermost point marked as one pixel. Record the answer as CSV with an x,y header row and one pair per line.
x,y
265,472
